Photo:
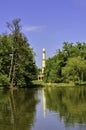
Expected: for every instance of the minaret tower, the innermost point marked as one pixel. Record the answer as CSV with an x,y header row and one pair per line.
x,y
43,61
42,74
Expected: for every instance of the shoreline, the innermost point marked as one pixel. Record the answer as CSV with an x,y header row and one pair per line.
x,y
42,83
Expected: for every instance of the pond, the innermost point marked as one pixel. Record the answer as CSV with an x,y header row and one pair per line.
x,y
43,109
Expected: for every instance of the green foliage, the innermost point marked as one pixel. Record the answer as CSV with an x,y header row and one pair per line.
x,y
74,68
68,64
4,80
17,64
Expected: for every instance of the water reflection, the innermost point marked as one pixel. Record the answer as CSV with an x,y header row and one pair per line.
x,y
17,109
70,103
42,109
44,102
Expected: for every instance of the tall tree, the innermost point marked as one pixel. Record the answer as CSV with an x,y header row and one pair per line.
x,y
17,56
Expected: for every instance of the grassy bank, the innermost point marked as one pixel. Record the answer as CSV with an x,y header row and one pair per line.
x,y
39,83
42,83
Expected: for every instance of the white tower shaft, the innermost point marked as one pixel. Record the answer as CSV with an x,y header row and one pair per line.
x,y
43,60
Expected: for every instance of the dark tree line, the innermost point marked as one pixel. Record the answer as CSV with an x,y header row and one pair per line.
x,y
68,65
17,64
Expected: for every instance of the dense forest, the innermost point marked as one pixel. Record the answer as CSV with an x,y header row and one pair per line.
x,y
68,65
17,62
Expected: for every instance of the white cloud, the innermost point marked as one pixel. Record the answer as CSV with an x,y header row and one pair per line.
x,y
33,28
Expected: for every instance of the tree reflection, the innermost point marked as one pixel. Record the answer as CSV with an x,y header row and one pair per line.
x,y
17,109
70,103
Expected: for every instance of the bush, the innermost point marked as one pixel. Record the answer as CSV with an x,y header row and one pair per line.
x,y
4,80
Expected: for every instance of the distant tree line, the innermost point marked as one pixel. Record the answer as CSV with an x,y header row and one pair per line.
x,y
17,64
68,65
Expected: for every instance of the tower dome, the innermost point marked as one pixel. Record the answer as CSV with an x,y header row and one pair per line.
x,y
43,49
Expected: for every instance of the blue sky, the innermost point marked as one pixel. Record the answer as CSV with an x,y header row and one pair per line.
x,y
46,23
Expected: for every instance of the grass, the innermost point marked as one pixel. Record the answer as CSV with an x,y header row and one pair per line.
x,y
42,83
39,83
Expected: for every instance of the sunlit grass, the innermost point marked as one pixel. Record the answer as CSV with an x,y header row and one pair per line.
x,y
42,83
39,82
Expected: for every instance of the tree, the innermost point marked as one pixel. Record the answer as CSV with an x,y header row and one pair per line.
x,y
68,64
17,57
4,59
75,69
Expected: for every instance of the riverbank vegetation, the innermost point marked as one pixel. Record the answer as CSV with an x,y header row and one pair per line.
x,y
17,64
18,67
68,65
